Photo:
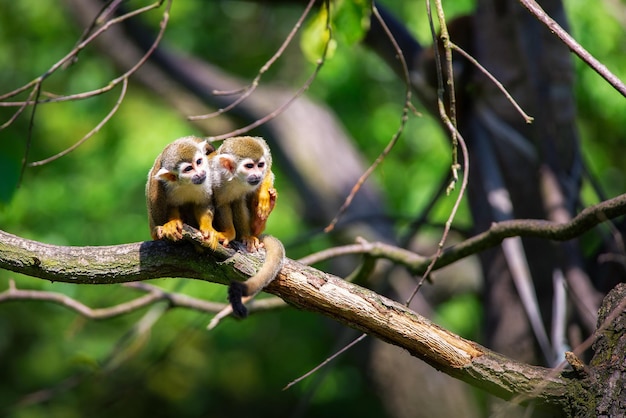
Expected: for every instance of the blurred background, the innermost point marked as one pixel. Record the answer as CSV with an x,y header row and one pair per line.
x,y
55,363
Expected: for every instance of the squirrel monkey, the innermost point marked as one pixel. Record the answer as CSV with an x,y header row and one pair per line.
x,y
244,198
179,190
245,195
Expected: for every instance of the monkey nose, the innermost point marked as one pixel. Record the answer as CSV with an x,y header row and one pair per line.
x,y
199,178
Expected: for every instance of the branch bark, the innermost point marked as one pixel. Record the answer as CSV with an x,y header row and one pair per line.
x,y
299,285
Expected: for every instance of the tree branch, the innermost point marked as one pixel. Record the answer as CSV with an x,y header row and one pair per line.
x,y
583,222
155,294
417,264
574,46
299,285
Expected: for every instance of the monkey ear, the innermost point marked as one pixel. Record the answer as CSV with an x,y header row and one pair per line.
x,y
206,147
165,175
228,162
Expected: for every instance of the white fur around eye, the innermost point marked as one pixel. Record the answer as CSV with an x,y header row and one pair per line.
x,y
185,168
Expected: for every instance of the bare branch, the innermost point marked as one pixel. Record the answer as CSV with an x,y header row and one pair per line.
x,y
417,264
576,48
247,91
584,221
12,293
279,110
373,249
74,52
155,294
325,362
527,118
20,110
36,84
91,133
394,139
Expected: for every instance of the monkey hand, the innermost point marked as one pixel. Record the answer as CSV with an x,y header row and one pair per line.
x,y
172,230
266,203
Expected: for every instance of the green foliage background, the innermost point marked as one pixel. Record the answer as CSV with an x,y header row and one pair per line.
x,y
94,196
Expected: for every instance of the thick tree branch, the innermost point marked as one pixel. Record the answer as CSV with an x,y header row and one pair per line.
x,y
299,285
112,264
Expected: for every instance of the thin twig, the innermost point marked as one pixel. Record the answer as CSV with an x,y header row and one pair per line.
x,y
75,51
285,105
441,90
121,79
253,303
21,109
457,140
154,294
247,91
325,362
12,293
498,84
451,217
91,133
373,249
404,118
29,136
574,46
445,38
106,9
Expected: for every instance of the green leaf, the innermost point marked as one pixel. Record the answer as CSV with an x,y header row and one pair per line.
x,y
316,37
351,20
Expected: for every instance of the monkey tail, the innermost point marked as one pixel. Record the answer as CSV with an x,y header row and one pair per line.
x,y
274,258
236,291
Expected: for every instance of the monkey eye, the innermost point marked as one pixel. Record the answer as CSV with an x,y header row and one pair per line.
x,y
249,165
199,161
261,164
187,169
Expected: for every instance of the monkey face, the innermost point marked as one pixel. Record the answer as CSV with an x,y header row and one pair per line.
x,y
194,172
253,171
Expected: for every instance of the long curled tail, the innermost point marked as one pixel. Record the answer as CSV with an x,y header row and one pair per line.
x,y
274,258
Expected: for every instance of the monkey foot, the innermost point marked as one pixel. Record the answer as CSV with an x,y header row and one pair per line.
x,y
224,237
172,230
210,237
252,243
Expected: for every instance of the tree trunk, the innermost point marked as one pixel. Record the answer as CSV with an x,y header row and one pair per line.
x,y
607,378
